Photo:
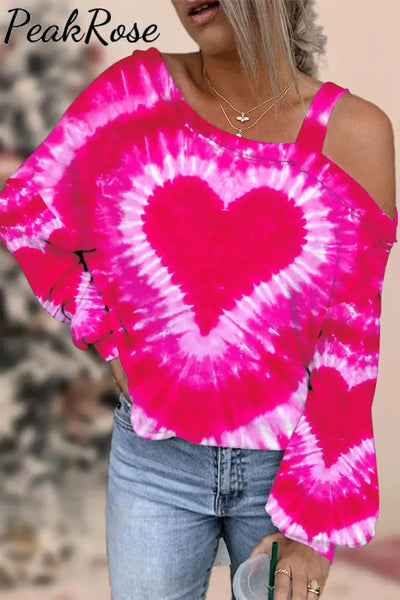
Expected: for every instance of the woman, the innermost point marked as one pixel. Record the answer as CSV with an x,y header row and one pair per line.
x,y
230,270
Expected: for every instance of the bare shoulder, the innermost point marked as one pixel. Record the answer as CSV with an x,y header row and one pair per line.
x,y
360,139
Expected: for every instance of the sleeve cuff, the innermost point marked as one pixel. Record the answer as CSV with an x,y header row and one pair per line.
x,y
325,548
106,347
329,554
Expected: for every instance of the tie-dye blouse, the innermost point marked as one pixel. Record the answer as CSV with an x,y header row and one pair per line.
x,y
239,282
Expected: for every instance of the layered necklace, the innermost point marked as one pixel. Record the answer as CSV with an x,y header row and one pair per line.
x,y
243,116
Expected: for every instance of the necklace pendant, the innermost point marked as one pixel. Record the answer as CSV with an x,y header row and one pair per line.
x,y
243,118
239,133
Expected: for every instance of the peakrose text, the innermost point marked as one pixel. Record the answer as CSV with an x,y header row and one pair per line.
x,y
101,17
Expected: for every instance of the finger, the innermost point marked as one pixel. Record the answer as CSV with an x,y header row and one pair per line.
x,y
265,544
259,549
299,587
118,375
282,583
127,395
116,368
118,384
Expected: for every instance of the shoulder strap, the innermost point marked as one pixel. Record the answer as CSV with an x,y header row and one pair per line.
x,y
313,130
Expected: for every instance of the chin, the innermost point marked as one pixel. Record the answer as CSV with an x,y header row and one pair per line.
x,y
216,42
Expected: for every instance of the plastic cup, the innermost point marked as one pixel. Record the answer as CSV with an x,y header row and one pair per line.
x,y
251,579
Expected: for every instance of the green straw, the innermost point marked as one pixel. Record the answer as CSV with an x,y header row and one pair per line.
x,y
272,566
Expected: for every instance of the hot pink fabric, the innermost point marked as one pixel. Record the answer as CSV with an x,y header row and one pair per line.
x,y
239,282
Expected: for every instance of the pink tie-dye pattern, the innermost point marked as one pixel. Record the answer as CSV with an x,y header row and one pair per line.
x,y
239,282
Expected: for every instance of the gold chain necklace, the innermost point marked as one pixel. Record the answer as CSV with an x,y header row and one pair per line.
x,y
243,114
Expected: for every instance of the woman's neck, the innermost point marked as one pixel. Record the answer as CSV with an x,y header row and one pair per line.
x,y
225,74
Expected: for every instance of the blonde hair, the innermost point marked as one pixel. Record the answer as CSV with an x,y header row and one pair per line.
x,y
276,27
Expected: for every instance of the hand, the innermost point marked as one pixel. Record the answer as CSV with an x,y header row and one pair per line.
x,y
120,377
301,561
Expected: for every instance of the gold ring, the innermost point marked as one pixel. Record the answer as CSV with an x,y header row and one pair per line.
x,y
285,571
316,589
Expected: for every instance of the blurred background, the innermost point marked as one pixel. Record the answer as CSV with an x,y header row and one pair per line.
x,y
56,401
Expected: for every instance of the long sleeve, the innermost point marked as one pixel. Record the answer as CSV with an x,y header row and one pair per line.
x,y
42,217
326,490
55,269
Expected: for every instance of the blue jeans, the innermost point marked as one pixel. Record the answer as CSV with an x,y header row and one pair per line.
x,y
168,503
